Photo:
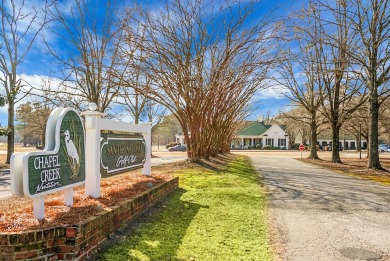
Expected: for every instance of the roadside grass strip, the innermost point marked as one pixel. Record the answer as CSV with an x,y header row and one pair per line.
x,y
214,215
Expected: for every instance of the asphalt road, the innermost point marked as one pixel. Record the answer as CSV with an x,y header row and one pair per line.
x,y
5,184
322,215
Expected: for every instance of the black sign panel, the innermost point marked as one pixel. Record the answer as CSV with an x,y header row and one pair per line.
x,y
120,153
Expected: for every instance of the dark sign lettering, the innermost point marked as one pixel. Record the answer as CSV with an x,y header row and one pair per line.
x,y
50,171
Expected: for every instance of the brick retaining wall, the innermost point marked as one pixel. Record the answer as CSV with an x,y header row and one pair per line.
x,y
80,240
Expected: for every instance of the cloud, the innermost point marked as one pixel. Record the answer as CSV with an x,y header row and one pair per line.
x,y
33,84
275,91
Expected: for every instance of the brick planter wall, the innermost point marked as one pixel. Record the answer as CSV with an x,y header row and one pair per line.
x,y
80,240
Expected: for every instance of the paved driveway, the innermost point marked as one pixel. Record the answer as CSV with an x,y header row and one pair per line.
x,y
5,184
323,215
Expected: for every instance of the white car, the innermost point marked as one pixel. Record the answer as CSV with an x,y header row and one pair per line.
x,y
384,147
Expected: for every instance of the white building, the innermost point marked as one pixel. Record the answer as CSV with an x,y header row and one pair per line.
x,y
254,134
347,142
258,134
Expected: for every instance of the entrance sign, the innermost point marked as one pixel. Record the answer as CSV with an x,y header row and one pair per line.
x,y
66,162
94,125
60,166
120,153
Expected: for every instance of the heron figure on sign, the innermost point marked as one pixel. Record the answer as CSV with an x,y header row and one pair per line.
x,y
71,150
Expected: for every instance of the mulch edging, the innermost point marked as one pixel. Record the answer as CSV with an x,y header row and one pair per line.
x,y
79,241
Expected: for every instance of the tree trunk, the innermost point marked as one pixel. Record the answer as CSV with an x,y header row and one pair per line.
x,y
313,138
43,137
11,134
335,143
358,143
290,143
373,159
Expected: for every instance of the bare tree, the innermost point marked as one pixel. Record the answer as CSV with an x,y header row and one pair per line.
x,y
294,121
342,90
92,34
370,20
299,72
202,71
20,26
357,124
133,76
155,113
384,121
305,89
298,123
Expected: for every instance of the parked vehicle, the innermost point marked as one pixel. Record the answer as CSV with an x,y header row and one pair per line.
x,y
328,147
178,148
384,147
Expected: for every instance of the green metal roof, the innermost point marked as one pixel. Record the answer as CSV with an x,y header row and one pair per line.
x,y
253,128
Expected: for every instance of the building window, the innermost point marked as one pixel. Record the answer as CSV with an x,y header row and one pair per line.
x,y
269,142
282,142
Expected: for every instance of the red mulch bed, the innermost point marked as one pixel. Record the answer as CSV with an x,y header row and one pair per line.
x,y
16,214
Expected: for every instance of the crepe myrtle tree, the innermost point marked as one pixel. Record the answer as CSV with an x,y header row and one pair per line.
x,y
204,69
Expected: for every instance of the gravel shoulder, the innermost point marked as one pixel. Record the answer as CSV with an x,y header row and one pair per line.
x,y
322,215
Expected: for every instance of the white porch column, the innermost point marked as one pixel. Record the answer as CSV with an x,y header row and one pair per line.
x,y
242,143
252,141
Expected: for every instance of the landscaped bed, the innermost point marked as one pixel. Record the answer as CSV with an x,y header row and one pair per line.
x,y
69,233
16,214
358,168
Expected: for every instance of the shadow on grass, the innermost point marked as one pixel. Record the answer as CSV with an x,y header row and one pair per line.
x,y
217,164
244,169
156,235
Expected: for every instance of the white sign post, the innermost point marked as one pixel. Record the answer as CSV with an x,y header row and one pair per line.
x,y
94,124
59,167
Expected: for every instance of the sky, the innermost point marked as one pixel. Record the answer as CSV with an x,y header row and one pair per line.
x,y
39,63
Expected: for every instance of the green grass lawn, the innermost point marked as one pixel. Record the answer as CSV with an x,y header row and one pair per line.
x,y
214,215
